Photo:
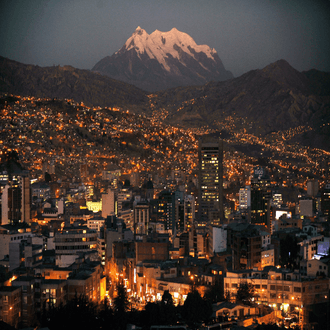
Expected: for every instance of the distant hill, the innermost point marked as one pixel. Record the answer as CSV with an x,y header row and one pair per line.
x,y
67,82
275,98
163,60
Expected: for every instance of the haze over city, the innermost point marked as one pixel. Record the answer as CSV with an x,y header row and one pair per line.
x,y
246,34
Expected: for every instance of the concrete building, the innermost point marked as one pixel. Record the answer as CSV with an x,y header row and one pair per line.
x,y
124,195
75,240
128,216
11,305
12,234
312,188
87,281
308,246
141,218
217,239
53,292
24,254
316,268
115,231
245,198
282,289
285,222
151,251
306,208
276,200
109,203
234,311
189,212
40,190
325,200
246,249
27,283
95,223
267,257
16,200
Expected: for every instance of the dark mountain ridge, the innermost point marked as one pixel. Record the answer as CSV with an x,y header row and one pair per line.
x,y
84,86
277,97
262,101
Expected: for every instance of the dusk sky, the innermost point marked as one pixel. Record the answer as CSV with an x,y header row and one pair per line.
x,y
247,34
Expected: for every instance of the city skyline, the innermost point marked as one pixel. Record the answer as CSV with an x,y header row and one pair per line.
x,y
98,229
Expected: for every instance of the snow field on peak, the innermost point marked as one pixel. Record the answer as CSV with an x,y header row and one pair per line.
x,y
159,44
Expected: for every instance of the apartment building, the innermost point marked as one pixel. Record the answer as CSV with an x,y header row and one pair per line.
x,y
280,288
11,304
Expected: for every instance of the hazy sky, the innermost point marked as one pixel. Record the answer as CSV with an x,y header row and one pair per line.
x,y
247,34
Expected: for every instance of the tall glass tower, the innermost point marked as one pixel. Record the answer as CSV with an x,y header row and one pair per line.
x,y
260,197
210,183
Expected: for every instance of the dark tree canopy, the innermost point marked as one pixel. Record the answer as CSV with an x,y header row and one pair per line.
x,y
167,298
196,309
121,302
215,293
245,293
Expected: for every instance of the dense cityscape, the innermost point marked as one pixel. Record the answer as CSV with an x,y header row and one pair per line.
x,y
125,222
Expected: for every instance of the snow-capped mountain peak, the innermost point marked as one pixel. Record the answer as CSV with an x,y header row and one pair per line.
x,y
160,45
173,54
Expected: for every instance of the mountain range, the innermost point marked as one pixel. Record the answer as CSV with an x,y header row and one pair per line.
x,y
275,98
163,60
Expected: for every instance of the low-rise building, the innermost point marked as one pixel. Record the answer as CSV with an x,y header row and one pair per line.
x,y
87,281
233,310
74,240
280,288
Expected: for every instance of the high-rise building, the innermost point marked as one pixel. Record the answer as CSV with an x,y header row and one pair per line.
x,y
15,200
325,200
135,179
15,188
210,183
312,188
245,198
109,203
141,218
277,199
189,212
162,209
83,171
260,197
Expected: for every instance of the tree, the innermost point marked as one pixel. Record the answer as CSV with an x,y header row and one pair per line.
x,y
167,298
245,293
105,314
227,295
196,309
121,305
167,309
214,293
121,302
151,314
78,313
